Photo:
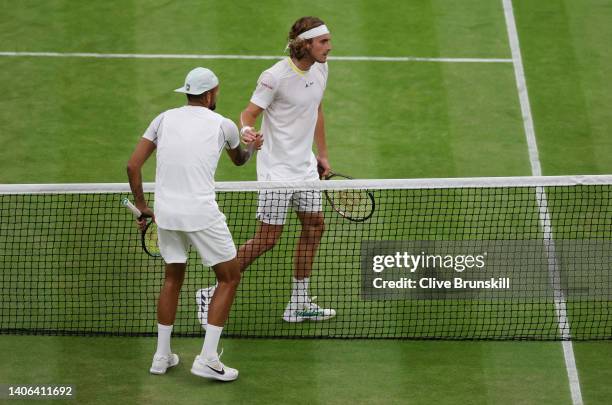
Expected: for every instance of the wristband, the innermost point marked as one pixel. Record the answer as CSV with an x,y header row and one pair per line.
x,y
243,129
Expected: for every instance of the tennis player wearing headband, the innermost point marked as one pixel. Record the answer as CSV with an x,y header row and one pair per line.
x,y
289,95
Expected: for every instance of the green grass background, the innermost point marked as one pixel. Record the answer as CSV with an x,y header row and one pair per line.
x,y
77,120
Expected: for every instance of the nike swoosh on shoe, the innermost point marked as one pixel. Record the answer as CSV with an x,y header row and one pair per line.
x,y
222,372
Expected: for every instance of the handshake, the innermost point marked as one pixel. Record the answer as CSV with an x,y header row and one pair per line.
x,y
250,136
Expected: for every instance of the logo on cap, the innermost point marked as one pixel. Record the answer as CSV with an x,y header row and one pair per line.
x,y
187,86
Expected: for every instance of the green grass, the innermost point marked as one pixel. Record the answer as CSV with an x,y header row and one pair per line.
x,y
87,125
77,120
145,26
107,370
594,371
568,65
94,110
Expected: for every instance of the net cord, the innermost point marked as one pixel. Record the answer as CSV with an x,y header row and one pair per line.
x,y
393,184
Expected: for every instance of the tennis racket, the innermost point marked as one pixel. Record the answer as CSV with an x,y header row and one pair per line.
x,y
148,237
354,205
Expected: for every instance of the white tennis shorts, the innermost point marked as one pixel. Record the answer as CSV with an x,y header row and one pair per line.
x,y
273,205
213,244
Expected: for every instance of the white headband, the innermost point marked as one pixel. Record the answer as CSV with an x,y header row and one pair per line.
x,y
315,32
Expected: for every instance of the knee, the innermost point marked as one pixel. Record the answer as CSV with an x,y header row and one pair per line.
x,y
235,277
174,275
263,243
231,279
315,229
173,282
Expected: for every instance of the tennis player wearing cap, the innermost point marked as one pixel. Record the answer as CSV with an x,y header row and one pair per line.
x,y
189,141
289,95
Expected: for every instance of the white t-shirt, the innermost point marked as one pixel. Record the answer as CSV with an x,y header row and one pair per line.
x,y
290,99
189,142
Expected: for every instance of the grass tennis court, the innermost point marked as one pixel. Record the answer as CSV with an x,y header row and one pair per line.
x,y
69,119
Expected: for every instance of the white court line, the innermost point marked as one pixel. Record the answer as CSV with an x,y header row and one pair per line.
x,y
245,57
545,221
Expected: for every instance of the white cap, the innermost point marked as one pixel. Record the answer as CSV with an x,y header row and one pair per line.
x,y
198,81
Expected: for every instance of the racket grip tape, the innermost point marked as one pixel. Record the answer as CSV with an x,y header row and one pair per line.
x,y
128,204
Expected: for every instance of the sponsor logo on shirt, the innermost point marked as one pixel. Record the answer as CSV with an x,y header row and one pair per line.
x,y
308,84
264,84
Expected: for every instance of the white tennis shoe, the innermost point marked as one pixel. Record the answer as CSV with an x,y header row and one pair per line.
x,y
307,311
162,363
213,369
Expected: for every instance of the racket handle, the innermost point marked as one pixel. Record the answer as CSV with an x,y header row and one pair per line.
x,y
128,204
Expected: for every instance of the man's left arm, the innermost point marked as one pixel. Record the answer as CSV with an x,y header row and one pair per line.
x,y
319,138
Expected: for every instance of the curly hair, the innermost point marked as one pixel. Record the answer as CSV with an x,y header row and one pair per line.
x,y
297,46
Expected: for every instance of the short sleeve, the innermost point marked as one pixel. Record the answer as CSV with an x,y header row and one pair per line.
x,y
267,85
152,131
229,132
325,72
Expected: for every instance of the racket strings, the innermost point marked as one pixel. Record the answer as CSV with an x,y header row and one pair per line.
x,y
149,239
352,202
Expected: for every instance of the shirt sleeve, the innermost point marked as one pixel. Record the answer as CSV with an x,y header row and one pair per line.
x,y
152,132
229,132
265,91
325,72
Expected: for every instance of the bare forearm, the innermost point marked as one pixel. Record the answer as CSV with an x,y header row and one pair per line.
x,y
143,150
319,136
247,119
321,145
135,179
241,155
245,154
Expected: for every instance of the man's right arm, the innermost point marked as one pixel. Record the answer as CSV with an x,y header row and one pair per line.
x,y
237,154
143,150
248,119
240,156
262,97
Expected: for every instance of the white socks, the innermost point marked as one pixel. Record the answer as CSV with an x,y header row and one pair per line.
x,y
299,294
163,339
211,341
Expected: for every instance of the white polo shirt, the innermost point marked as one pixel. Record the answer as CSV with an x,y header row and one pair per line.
x,y
290,99
189,142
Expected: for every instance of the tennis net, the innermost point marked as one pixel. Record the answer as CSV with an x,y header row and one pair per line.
x,y
474,258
